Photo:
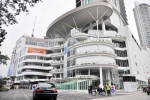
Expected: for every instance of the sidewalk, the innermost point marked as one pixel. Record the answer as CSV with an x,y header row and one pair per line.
x,y
117,92
133,96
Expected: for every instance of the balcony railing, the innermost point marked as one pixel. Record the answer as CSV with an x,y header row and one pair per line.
x,y
57,78
60,53
93,40
95,63
56,70
92,51
57,62
86,76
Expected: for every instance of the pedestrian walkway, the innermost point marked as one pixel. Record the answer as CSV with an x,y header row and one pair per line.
x,y
132,96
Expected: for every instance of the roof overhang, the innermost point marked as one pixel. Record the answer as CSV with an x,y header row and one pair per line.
x,y
79,17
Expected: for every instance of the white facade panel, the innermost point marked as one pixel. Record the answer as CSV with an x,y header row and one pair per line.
x,y
92,59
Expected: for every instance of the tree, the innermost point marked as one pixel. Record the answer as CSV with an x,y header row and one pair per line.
x,y
9,9
6,79
3,59
12,78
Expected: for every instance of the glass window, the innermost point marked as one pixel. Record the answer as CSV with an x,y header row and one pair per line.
x,y
46,85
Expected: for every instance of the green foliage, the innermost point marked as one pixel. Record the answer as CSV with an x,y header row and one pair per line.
x,y
4,89
6,78
9,9
8,16
3,59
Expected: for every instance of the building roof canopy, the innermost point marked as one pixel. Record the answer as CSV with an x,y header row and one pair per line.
x,y
79,17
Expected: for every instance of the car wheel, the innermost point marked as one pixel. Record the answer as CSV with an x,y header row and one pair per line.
x,y
103,93
93,93
34,98
54,98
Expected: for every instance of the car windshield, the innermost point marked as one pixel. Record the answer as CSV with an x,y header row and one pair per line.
x,y
46,85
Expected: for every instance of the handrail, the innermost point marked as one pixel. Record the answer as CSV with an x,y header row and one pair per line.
x,y
94,63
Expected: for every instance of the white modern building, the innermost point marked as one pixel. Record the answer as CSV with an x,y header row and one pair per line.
x,y
99,47
142,19
90,44
31,59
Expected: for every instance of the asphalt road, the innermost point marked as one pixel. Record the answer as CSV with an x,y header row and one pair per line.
x,y
22,94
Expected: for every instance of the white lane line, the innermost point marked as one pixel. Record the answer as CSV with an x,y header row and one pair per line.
x,y
6,95
15,96
25,95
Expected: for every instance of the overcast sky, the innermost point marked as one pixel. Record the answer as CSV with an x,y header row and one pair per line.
x,y
46,12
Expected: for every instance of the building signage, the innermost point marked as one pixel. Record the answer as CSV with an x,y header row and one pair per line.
x,y
65,59
37,50
86,76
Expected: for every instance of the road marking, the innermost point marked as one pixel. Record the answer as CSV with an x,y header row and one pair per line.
x,y
25,95
6,95
15,96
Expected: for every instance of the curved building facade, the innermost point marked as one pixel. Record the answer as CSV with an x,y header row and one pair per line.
x,y
95,46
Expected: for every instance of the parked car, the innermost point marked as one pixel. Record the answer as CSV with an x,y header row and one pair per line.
x,y
148,90
45,90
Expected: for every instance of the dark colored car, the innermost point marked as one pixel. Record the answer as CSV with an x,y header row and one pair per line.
x,y
148,90
47,90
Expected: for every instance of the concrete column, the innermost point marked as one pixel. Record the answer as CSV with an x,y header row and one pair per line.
x,y
75,72
101,77
103,27
55,77
77,84
60,75
91,26
108,76
88,71
61,67
97,29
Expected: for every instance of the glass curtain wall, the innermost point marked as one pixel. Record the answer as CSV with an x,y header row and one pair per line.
x,y
72,85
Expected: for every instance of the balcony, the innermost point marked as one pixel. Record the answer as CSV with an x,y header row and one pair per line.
x,y
55,55
104,65
118,37
36,60
92,42
36,67
35,73
81,36
93,52
57,78
56,63
33,80
87,76
54,71
57,47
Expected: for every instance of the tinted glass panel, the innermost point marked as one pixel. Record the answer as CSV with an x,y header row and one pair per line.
x,y
46,85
